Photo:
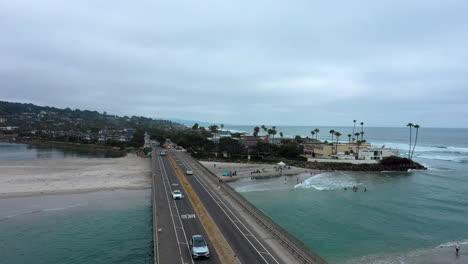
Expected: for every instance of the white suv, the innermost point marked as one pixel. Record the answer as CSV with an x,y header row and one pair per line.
x,y
199,247
189,172
177,195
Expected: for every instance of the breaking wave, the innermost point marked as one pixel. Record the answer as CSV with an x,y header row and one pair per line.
x,y
443,253
422,148
459,158
328,181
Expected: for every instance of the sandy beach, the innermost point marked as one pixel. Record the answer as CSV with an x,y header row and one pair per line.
x,y
248,170
72,175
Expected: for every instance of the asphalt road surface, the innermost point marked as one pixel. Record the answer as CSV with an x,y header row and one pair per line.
x,y
176,220
247,245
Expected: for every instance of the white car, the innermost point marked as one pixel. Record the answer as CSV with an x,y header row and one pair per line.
x,y
177,195
189,172
199,247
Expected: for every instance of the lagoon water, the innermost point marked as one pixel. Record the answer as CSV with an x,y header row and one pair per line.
x,y
101,227
25,151
411,217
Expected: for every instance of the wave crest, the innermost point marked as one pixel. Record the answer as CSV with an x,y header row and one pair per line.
x,y
328,181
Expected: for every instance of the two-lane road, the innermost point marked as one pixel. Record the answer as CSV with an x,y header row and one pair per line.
x,y
247,245
176,219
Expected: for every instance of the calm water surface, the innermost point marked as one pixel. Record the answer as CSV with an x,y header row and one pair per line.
x,y
101,228
25,151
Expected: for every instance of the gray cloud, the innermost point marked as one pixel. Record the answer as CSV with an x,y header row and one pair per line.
x,y
245,62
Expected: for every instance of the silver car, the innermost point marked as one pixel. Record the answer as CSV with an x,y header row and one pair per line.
x,y
199,247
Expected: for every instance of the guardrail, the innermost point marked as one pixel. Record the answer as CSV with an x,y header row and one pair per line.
x,y
302,253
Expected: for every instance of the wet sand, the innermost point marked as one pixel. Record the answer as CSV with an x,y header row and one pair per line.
x,y
72,175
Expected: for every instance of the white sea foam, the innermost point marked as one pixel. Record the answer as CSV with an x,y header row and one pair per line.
x,y
328,181
422,148
459,158
443,253
261,187
453,243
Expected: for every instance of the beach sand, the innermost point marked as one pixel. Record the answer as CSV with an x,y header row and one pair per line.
x,y
72,175
245,170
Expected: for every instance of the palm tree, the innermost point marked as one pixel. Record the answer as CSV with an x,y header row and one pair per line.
x,y
273,132
410,125
362,127
415,139
337,134
312,133
316,133
195,127
349,138
354,121
281,134
256,130
332,132
362,134
213,129
222,126
356,136
264,128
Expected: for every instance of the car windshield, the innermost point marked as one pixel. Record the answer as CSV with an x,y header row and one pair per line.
x,y
176,192
199,242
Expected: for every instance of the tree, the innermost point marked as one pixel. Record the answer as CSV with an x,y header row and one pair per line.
x,y
213,129
256,130
362,134
354,126
332,132
264,128
316,132
349,138
312,133
362,126
222,126
410,125
289,150
229,145
273,132
337,134
281,134
195,127
415,140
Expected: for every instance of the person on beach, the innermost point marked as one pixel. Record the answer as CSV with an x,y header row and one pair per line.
x,y
365,189
457,248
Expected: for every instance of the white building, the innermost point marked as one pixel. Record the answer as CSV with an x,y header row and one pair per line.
x,y
377,153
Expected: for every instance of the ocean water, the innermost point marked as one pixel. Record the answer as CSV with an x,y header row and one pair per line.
x,y
25,151
101,228
409,217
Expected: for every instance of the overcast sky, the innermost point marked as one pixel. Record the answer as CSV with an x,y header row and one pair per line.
x,y
307,62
